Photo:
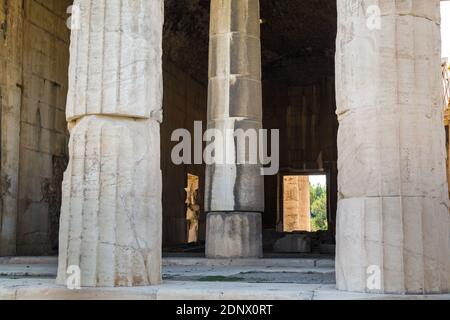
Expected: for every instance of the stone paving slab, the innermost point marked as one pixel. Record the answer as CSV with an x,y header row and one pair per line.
x,y
28,270
306,261
249,274
45,289
305,270
281,262
199,273
28,260
33,278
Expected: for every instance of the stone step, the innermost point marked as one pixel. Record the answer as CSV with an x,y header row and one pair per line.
x,y
251,275
315,270
28,270
325,262
46,289
276,261
28,260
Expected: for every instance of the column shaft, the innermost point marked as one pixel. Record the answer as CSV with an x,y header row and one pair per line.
x,y
11,84
234,191
297,204
393,214
111,217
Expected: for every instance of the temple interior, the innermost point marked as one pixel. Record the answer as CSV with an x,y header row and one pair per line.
x,y
298,47
91,96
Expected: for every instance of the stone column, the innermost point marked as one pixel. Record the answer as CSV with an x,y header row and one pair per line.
x,y
446,81
11,85
297,204
234,192
111,212
393,228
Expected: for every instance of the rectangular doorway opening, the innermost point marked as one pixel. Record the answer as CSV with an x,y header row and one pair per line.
x,y
305,203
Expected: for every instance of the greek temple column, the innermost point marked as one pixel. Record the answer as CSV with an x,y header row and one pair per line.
x,y
234,189
111,210
393,228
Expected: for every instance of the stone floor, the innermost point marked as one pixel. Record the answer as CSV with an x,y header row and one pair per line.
x,y
194,279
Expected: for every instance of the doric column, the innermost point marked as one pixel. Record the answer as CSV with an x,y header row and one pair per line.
x,y
393,228
234,191
111,212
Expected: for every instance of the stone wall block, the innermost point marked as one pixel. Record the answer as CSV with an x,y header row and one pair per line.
x,y
237,16
234,182
234,235
235,54
234,97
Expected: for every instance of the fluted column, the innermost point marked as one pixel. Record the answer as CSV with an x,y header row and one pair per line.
x,y
111,207
234,191
393,228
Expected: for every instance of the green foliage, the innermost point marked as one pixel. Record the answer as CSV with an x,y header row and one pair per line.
x,y
318,207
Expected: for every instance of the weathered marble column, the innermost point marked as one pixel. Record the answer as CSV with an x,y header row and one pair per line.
x,y
111,212
393,228
234,192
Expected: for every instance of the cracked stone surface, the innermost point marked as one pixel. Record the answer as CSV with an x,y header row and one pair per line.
x,y
305,271
393,211
197,279
111,216
43,289
116,65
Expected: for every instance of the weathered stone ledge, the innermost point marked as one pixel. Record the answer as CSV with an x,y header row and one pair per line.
x,y
173,290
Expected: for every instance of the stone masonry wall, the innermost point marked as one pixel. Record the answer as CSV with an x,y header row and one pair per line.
x,y
34,58
44,136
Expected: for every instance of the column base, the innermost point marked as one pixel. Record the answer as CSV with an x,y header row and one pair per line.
x,y
111,204
393,245
234,235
